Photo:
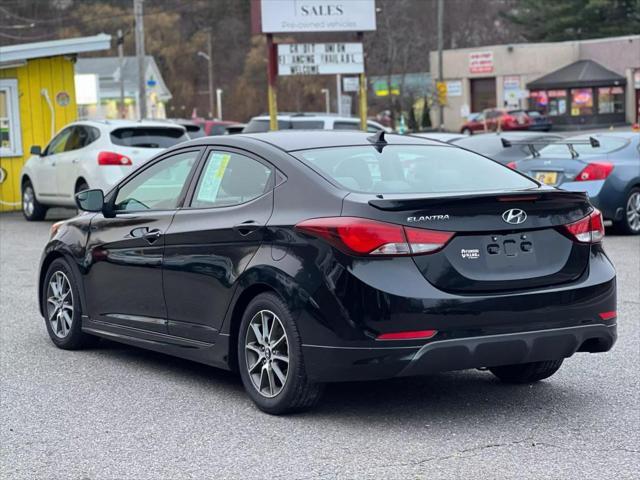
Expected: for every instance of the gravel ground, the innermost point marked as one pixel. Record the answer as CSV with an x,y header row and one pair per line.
x,y
119,412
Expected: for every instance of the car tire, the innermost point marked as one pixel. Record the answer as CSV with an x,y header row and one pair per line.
x,y
466,131
630,222
31,209
526,372
62,310
264,354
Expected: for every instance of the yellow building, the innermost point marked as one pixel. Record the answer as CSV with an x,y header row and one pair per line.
x,y
37,98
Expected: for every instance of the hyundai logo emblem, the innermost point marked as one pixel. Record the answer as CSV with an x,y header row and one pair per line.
x,y
515,216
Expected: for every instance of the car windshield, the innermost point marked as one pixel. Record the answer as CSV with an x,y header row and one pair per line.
x,y
607,145
412,169
148,137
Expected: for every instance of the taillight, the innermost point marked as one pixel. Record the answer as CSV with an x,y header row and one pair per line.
x,y
512,165
112,158
595,171
589,229
361,236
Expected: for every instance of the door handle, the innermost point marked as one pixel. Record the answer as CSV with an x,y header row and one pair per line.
x,y
152,235
246,228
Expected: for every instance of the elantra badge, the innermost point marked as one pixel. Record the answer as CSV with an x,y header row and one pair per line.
x,y
515,216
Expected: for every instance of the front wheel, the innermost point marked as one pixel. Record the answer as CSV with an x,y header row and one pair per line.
x,y
31,208
61,308
526,372
270,358
630,223
466,131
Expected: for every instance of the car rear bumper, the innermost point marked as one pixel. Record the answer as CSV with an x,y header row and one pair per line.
x,y
332,364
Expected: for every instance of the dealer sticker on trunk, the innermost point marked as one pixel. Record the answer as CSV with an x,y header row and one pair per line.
x,y
470,253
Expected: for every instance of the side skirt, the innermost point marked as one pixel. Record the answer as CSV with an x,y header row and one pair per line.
x,y
214,354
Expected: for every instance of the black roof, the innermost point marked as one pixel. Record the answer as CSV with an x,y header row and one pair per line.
x,y
289,140
583,73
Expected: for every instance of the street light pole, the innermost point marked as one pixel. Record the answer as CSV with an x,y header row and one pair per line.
x,y
210,55
327,99
207,57
140,54
440,69
121,62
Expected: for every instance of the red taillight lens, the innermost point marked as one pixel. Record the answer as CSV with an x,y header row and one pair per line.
x,y
595,171
512,165
413,335
112,158
362,236
589,229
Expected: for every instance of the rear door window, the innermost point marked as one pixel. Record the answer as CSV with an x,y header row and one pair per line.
x,y
412,169
148,137
230,179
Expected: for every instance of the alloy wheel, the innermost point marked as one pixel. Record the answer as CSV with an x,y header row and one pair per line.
x,y
633,211
267,353
60,304
28,201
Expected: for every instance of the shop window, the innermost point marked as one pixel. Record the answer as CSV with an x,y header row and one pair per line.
x,y
611,100
581,102
10,141
557,102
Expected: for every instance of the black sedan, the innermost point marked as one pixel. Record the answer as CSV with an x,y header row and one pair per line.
x,y
300,258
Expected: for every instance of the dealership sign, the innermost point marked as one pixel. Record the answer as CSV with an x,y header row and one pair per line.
x,y
481,62
280,16
320,58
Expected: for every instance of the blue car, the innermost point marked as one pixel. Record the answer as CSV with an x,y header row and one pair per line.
x,y
605,165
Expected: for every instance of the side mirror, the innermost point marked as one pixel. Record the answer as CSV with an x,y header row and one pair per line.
x,y
36,150
90,200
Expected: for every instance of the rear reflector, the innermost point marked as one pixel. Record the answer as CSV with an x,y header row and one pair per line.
x,y
589,229
361,236
608,315
112,158
414,335
595,171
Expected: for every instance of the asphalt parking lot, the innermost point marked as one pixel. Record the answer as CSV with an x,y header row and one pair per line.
x,y
119,412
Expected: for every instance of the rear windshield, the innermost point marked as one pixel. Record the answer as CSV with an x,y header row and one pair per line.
x,y
412,169
148,137
607,145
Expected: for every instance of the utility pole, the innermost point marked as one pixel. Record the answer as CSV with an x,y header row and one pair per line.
x,y
210,54
121,61
440,69
142,91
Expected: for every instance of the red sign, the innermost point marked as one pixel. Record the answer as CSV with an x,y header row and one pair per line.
x,y
481,62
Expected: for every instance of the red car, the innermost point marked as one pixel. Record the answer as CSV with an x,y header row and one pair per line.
x,y
495,119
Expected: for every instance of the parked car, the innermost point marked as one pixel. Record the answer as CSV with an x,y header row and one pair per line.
x,y
90,154
300,258
495,119
539,121
441,137
194,130
234,129
607,169
311,121
491,144
215,127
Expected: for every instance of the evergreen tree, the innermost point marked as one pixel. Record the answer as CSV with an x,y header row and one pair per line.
x,y
557,20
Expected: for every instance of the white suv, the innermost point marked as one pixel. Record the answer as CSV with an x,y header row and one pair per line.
x,y
311,121
90,154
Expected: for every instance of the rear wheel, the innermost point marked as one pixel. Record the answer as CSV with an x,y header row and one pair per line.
x,y
31,208
61,307
466,131
630,223
526,372
270,358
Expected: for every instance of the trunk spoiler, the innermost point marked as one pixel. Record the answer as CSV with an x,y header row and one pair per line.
x,y
506,143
